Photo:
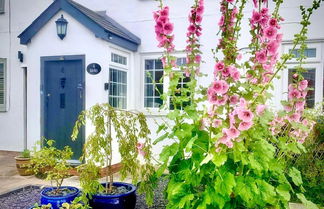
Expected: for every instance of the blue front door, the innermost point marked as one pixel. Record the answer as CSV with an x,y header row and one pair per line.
x,y
63,100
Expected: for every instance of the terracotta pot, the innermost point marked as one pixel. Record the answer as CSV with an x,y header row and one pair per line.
x,y
22,165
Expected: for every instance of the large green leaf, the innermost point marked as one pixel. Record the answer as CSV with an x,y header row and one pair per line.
x,y
295,176
168,151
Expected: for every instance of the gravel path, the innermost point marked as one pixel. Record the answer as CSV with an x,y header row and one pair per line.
x,y
26,197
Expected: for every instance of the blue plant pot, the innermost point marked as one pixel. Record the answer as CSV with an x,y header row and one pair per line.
x,y
57,201
120,201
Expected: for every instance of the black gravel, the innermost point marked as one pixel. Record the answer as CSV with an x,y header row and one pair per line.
x,y
26,197
21,198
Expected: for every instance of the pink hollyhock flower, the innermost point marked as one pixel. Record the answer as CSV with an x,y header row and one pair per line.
x,y
212,95
231,117
245,115
260,109
200,10
272,47
216,123
165,11
256,16
226,72
219,66
222,101
232,133
288,108
163,19
245,125
243,103
192,28
218,87
261,56
198,58
155,16
168,28
236,75
273,22
234,99
300,105
264,11
302,85
229,144
294,117
140,147
270,32
255,3
294,94
198,19
230,1
225,86
221,21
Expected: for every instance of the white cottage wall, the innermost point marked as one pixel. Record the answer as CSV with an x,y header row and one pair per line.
x,y
18,15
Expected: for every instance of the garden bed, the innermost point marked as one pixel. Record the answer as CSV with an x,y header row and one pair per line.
x,y
24,198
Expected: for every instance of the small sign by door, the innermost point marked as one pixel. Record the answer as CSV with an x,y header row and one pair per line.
x,y
93,68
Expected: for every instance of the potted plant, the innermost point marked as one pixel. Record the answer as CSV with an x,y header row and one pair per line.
x,y
23,163
130,131
54,163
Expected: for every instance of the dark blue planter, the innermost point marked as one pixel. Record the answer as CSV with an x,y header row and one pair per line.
x,y
121,201
57,201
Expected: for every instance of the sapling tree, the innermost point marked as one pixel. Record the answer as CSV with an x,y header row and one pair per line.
x,y
130,131
53,163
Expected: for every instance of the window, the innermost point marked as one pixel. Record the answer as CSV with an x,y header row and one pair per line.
x,y
181,85
154,84
313,65
310,76
118,59
3,84
153,87
309,53
2,6
118,88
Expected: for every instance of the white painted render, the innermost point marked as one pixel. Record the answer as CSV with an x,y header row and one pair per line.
x,y
135,15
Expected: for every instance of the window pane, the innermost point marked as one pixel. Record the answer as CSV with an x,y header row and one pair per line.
x,y
158,90
311,52
149,64
118,59
148,90
118,88
158,76
158,64
158,102
309,75
148,76
181,61
148,102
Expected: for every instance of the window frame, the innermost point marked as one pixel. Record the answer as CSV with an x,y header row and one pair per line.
x,y
310,63
153,110
120,67
317,46
3,107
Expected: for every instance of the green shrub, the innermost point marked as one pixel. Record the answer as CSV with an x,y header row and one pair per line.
x,y
311,164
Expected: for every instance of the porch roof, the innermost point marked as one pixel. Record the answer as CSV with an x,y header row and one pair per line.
x,y
99,23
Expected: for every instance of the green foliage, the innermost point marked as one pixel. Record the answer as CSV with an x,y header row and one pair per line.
x,y
37,206
52,161
311,163
129,130
25,153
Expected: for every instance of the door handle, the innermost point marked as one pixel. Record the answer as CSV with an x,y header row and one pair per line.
x,y
80,87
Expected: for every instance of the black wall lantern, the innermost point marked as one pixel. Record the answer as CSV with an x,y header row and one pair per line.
x,y
61,27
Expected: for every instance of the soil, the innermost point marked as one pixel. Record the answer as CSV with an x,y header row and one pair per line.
x,y
26,197
60,192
